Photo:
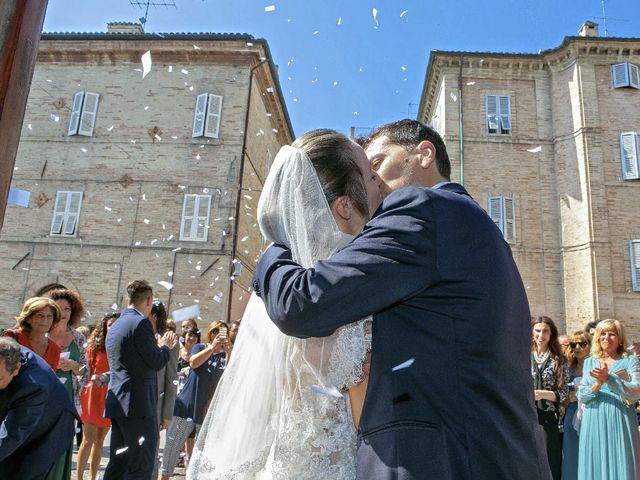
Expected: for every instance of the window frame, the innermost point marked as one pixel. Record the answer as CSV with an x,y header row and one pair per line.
x,y
192,235
66,214
499,116
505,224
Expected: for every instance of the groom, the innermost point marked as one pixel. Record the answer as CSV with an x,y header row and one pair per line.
x,y
450,394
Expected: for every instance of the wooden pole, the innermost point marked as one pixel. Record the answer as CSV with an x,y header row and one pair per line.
x,y
20,28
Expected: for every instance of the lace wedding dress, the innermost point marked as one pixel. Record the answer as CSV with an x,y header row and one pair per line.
x,y
280,410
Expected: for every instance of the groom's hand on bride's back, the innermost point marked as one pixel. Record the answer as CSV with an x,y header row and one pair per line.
x,y
271,259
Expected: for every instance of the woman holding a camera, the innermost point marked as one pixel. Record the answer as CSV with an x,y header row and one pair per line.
x,y
207,362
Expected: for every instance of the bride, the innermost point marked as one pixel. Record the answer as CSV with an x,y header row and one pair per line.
x,y
288,408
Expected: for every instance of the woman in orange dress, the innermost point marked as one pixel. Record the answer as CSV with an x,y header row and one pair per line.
x,y
38,316
92,399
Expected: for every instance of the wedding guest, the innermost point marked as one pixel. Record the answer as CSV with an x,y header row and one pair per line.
x,y
134,357
590,328
167,376
171,325
234,326
551,385
563,341
576,353
207,363
609,442
72,368
92,399
190,337
37,318
188,323
84,330
36,414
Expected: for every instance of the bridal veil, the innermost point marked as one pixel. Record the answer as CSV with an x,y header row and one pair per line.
x,y
273,414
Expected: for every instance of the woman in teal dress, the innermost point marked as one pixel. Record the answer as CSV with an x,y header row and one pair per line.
x,y
609,439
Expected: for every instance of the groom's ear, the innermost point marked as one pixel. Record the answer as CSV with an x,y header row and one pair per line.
x,y
427,153
342,207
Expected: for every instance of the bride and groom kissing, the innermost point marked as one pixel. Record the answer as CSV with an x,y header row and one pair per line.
x,y
404,316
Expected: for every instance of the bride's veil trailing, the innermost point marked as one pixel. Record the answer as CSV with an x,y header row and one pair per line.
x,y
265,420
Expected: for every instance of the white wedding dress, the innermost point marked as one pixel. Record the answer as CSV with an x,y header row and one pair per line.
x,y
281,410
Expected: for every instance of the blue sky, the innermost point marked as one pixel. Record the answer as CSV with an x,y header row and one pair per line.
x,y
341,67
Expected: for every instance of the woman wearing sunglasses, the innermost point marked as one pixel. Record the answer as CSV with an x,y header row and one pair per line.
x,y
576,352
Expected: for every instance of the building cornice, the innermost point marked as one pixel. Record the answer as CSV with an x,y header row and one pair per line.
x,y
556,58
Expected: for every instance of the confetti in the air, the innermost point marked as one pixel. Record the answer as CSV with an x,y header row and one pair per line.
x,y
374,12
339,21
453,96
108,209
535,149
140,440
403,13
54,118
146,221
29,127
121,450
170,68
270,8
330,391
403,365
470,84
186,72
146,63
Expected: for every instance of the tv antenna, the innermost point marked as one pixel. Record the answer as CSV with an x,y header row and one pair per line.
x,y
409,105
604,19
144,4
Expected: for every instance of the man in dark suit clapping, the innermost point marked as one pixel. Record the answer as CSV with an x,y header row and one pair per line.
x,y
134,358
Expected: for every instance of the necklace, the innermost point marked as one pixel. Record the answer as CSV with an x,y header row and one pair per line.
x,y
540,359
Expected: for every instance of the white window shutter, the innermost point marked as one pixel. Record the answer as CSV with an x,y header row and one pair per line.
x,y
198,118
76,109
58,213
634,256
629,155
495,212
74,202
188,216
202,226
505,114
620,75
492,114
214,113
634,77
89,111
509,220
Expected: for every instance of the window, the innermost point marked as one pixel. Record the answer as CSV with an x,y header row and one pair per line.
x,y
634,256
206,121
498,108
195,218
66,213
502,212
83,113
625,75
629,152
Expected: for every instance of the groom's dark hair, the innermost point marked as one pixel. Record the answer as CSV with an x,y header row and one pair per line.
x,y
408,134
333,157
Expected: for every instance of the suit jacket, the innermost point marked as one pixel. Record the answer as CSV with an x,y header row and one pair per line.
x,y
448,303
37,416
167,389
134,359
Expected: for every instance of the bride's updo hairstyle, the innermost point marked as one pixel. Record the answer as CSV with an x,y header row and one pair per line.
x,y
333,158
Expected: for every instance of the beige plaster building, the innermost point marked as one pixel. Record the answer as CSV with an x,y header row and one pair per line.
x,y
143,175
548,144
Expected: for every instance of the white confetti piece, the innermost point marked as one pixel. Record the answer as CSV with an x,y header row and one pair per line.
x,y
157,137
535,149
146,221
54,118
406,364
144,196
196,47
29,127
270,8
244,239
470,84
170,68
248,197
249,44
121,450
330,391
403,68
119,220
138,243
140,440
374,12
186,72
453,96
146,107
110,128
170,274
169,237
176,249
108,209
146,63
339,21
403,13
335,84
218,297
316,32
62,379
269,89
198,157
153,241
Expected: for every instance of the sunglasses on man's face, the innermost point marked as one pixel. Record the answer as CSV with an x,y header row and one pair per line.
x,y
579,344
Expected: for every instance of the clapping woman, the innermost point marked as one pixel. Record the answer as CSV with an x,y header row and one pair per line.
x,y
551,385
576,352
609,441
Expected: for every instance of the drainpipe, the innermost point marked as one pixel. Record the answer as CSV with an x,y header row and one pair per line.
x,y
242,155
460,130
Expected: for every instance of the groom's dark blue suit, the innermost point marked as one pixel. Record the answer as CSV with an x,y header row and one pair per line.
x,y
443,288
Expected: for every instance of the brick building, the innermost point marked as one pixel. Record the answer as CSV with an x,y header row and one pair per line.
x,y
155,177
548,144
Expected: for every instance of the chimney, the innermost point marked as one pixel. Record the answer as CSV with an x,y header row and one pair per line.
x,y
588,29
125,28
